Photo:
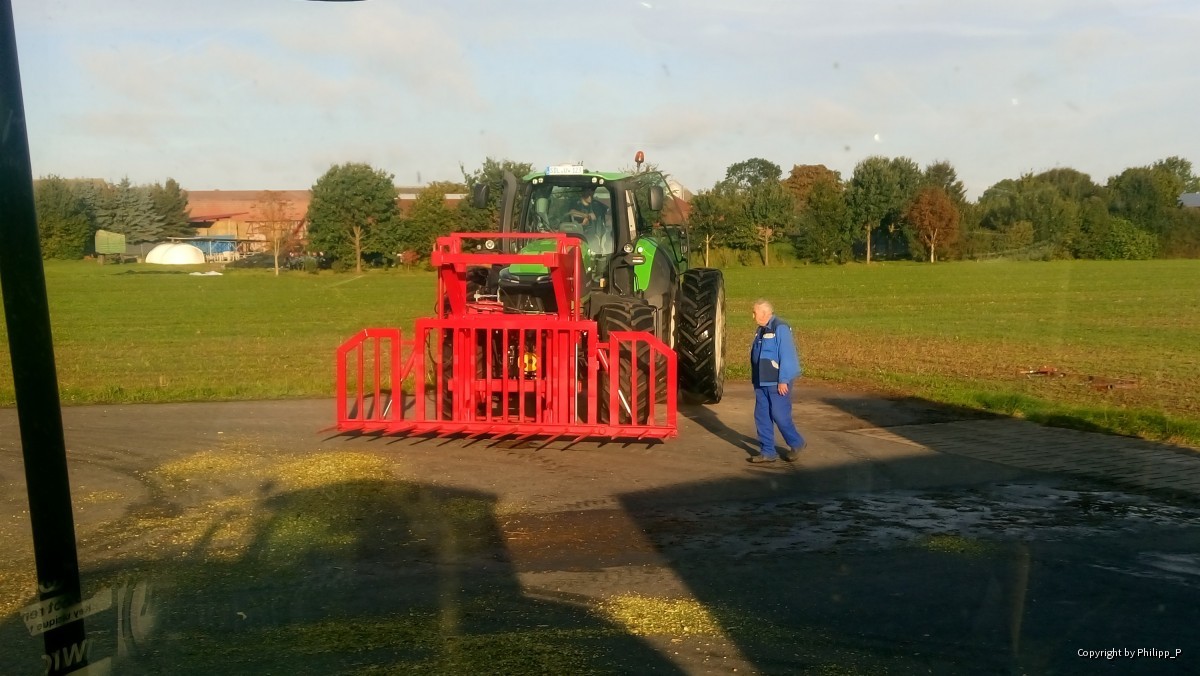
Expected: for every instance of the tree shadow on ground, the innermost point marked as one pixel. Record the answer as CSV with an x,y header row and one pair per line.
x,y
364,576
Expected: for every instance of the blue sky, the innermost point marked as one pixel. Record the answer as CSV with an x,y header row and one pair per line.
x,y
267,94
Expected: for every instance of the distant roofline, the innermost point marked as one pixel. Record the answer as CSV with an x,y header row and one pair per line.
x,y
248,194
204,218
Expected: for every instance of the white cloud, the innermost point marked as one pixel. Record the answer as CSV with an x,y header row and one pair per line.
x,y
393,48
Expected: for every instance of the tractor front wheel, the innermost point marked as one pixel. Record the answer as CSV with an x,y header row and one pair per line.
x,y
701,342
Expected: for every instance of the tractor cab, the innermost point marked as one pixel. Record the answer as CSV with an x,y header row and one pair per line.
x,y
583,210
596,208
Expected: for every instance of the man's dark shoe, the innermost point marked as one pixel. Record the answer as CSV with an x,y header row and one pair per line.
x,y
761,459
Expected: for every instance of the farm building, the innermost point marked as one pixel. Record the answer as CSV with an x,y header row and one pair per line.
x,y
246,215
234,223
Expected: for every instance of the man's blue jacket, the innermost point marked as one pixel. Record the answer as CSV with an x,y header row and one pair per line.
x,y
773,356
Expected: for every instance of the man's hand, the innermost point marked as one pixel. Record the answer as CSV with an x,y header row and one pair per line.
x,y
783,388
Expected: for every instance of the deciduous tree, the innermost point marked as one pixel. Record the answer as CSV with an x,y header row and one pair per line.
x,y
1147,196
348,203
1017,236
1071,183
934,219
941,174
1183,241
491,173
718,219
751,173
1055,219
1122,240
277,225
879,192
1094,224
824,231
755,189
429,218
1181,169
804,177
770,209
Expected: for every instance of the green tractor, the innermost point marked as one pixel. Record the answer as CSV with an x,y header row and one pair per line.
x,y
635,255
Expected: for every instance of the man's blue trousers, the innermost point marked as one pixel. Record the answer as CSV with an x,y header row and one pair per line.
x,y
771,410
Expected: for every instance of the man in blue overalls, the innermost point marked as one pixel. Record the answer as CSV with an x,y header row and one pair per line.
x,y
774,364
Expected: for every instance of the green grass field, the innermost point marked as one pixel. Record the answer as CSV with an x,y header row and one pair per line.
x,y
962,333
957,333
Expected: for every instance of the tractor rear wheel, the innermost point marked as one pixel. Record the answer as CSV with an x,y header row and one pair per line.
x,y
701,341
630,317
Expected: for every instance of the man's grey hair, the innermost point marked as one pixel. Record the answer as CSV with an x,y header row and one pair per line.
x,y
763,302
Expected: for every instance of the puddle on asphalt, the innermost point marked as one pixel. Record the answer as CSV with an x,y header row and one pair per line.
x,y
965,521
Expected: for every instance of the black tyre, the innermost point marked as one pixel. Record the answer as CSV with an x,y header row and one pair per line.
x,y
630,317
701,340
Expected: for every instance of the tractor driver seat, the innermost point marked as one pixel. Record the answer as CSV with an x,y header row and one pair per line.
x,y
572,228
599,236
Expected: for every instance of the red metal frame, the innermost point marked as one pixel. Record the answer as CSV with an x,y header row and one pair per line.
x,y
522,375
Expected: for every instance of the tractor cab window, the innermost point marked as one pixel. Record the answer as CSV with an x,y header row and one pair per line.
x,y
581,210
637,219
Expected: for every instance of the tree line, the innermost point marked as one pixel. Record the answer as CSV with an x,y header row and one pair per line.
x,y
888,208
70,211
354,217
894,208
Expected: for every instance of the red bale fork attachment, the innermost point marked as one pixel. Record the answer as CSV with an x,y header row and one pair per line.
x,y
482,367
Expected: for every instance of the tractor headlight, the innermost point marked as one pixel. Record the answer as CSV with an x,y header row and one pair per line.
x,y
628,248
490,244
